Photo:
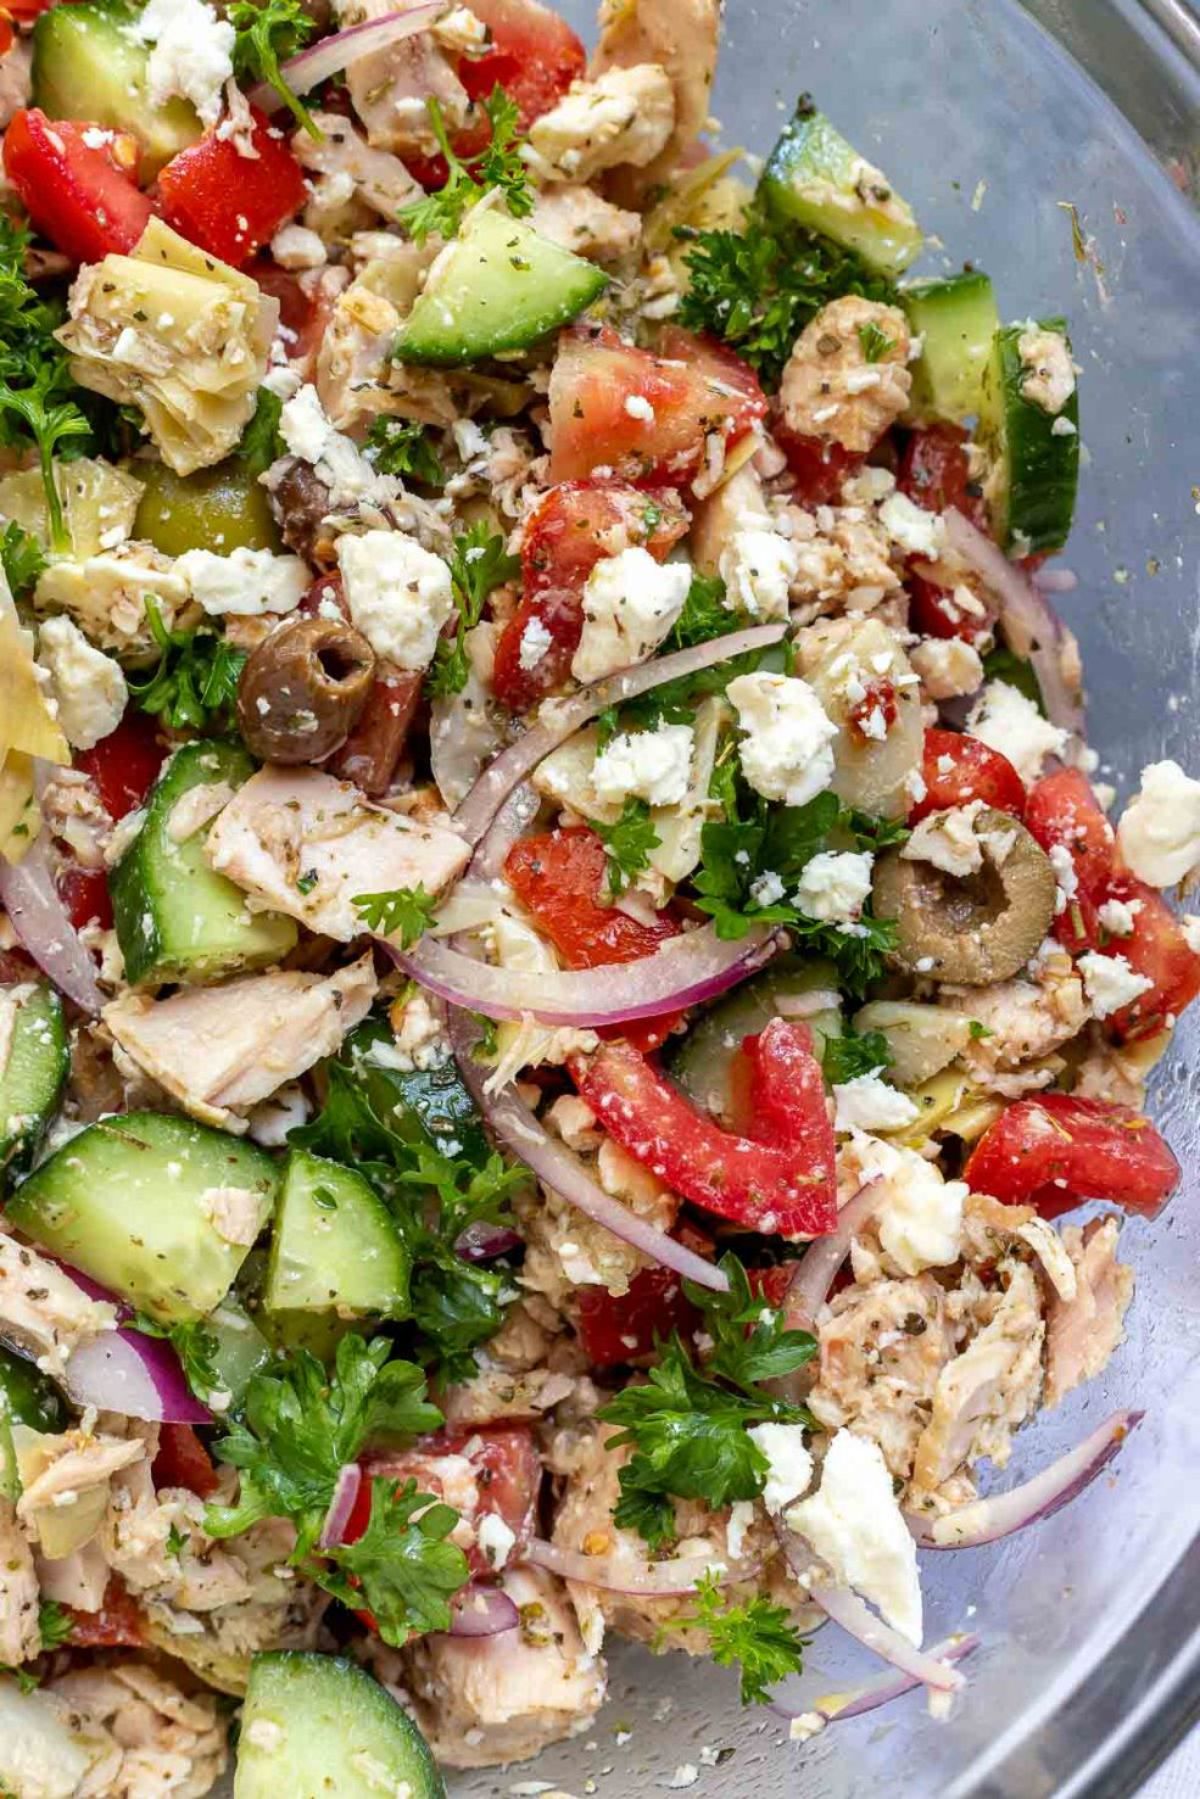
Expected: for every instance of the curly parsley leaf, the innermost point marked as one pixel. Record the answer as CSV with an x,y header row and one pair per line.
x,y
497,166
405,447
407,911
875,343
756,1636
403,1566
844,1058
261,443
267,35
195,684
479,564
751,1342
628,843
22,559
756,289
705,614
54,1625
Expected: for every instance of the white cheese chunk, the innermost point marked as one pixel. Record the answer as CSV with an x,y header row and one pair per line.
x,y
296,247
645,765
1047,371
1118,917
758,566
948,667
87,686
1159,832
192,55
948,841
244,584
854,1523
399,594
920,1218
336,458
630,602
868,1103
834,885
1006,720
789,1465
787,749
1110,983
495,1539
911,528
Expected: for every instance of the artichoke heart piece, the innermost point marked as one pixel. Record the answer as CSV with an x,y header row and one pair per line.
x,y
106,596
178,334
99,503
27,722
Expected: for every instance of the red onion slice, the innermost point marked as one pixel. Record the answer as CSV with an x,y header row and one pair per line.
x,y
869,1698
511,822
1001,1514
517,1128
333,54
482,1611
1029,621
562,718
39,918
345,1492
683,971
621,1574
483,1242
126,1371
821,1261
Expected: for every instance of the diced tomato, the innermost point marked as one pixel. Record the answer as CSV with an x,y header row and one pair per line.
x,y
772,1284
877,706
84,893
505,1467
935,473
1157,949
619,1328
691,385
230,204
183,1461
1062,811
303,311
935,611
124,765
1056,1150
787,1094
370,755
575,525
784,1186
81,196
957,769
118,1624
558,877
818,468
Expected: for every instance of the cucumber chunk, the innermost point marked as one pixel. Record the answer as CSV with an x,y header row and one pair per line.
x,y
87,65
705,1064
814,178
957,319
240,1349
33,1070
498,286
1034,451
317,1725
221,508
27,1397
335,1247
175,919
151,1206
419,1104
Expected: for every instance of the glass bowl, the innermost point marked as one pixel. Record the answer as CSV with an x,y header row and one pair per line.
x,y
995,124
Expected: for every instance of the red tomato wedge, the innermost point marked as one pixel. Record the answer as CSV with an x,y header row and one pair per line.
x,y
124,765
118,1624
784,1186
1158,950
617,1328
80,195
84,893
1063,812
230,204
935,473
957,769
818,468
503,1478
183,1461
573,528
690,387
1055,1151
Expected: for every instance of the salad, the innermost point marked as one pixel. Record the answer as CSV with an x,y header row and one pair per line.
x,y
564,976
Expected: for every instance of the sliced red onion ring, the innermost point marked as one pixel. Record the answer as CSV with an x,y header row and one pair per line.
x,y
1029,621
482,1611
345,1492
562,718
621,1574
683,971
126,1371
511,822
483,1242
39,918
1055,580
822,1259
333,54
868,1698
1001,1514
517,1128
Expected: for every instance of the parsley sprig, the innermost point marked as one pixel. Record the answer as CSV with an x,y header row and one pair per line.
x,y
688,1427
404,447
267,35
758,1636
844,1058
497,166
261,444
628,843
479,564
195,684
21,558
705,614
403,1565
404,910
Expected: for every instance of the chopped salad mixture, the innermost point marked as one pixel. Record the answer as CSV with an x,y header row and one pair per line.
x,y
562,970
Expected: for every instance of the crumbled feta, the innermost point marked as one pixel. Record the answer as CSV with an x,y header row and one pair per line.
x,y
789,1465
420,1040
758,566
625,116
646,765
911,528
854,1523
1063,864
1007,721
495,1539
192,54
535,641
296,247
920,1218
87,686
741,1517
399,594
1047,371
630,602
868,1103
1159,832
637,406
948,667
948,840
767,889
1110,983
244,584
1118,917
336,458
787,750
834,885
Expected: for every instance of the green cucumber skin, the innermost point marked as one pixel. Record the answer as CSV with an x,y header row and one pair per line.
x,y
343,1256
175,919
32,1082
27,1397
1035,473
812,151
122,1202
958,320
336,1732
496,288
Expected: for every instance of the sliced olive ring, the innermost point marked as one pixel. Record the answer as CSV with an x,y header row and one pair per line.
x,y
974,929
303,688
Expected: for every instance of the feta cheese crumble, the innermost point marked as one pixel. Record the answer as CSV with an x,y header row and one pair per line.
x,y
948,841
244,584
399,594
1110,983
645,765
834,885
630,602
296,247
786,750
535,641
1007,721
854,1523
868,1103
1047,371
758,566
87,686
192,54
920,1219
911,528
1118,917
1159,832
789,1465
